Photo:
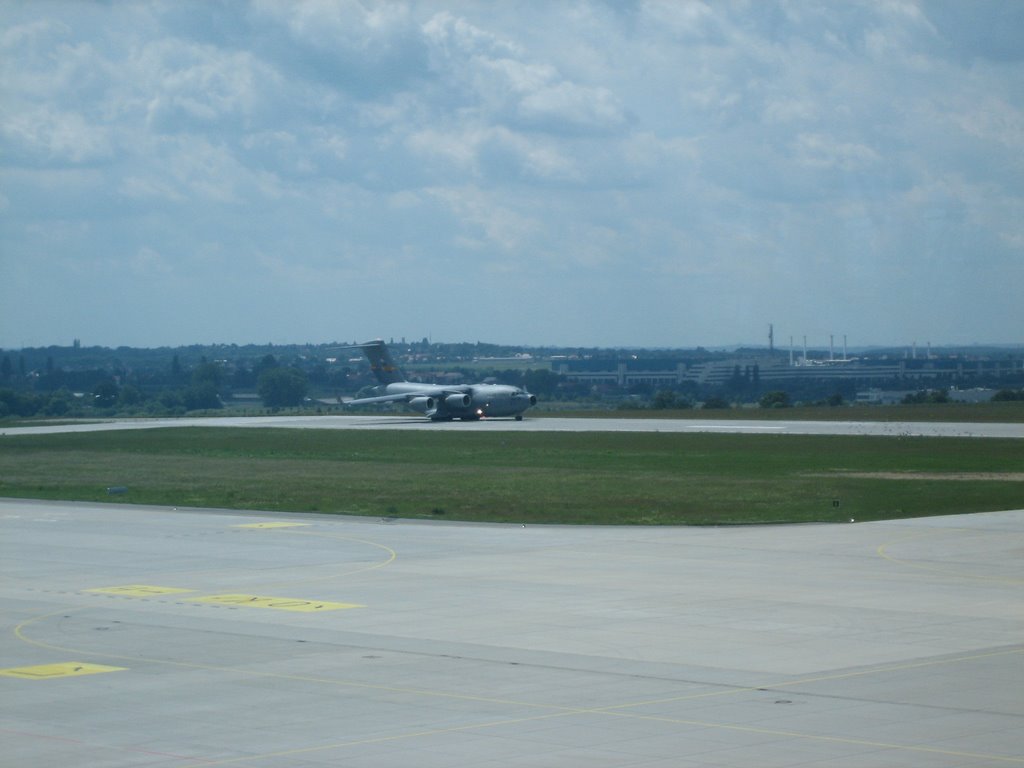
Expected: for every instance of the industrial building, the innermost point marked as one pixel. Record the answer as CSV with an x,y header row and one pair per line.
x,y
769,370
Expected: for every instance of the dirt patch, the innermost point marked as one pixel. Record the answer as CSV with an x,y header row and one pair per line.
x,y
1007,477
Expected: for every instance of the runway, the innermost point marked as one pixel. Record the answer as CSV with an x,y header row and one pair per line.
x,y
552,424
138,636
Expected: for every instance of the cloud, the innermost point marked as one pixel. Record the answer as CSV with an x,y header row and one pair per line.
x,y
487,223
49,136
693,165
193,87
363,50
498,81
820,151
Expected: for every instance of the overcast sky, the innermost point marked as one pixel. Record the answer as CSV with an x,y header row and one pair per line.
x,y
570,173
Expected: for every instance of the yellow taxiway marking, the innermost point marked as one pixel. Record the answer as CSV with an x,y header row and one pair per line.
x,y
271,525
49,671
139,590
249,601
278,603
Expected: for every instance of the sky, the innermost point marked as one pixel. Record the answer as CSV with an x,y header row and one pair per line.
x,y
649,174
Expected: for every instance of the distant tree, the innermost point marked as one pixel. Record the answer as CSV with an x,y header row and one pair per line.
x,y
629,404
541,382
105,394
835,400
716,403
776,399
208,373
1008,395
129,396
268,362
172,401
59,403
665,399
8,403
20,403
6,368
926,396
282,387
201,397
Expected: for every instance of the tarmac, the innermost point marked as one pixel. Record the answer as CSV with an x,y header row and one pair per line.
x,y
172,638
549,424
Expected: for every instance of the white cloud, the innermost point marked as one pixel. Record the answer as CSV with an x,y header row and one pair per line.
x,y
496,152
688,162
498,80
194,87
489,224
821,151
51,135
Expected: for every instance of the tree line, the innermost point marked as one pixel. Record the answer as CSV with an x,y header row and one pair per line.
x,y
57,393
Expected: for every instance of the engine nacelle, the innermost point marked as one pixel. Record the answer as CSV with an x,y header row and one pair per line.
x,y
424,404
458,402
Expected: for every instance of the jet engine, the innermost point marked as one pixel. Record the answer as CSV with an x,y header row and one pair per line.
x,y
424,404
458,402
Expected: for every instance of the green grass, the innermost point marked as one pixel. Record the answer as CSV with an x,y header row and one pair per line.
x,y
1001,412
597,478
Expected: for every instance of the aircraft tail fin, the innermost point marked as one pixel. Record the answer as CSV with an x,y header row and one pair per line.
x,y
381,362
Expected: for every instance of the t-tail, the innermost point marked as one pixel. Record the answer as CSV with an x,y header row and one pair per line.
x,y
381,362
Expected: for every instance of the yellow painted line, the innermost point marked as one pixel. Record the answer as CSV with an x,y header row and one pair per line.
x,y
883,552
277,603
139,590
50,671
248,601
556,711
271,525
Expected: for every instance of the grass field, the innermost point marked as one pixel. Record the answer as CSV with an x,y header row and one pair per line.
x,y
999,412
602,478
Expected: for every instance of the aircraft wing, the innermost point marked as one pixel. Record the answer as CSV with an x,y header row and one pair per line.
x,y
396,397
387,398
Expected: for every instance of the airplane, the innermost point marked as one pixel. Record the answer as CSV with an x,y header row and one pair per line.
x,y
468,402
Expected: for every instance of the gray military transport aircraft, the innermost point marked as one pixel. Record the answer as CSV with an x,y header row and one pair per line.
x,y
468,402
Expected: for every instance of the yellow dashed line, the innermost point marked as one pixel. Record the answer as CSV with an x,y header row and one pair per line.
x,y
50,671
883,552
139,590
278,603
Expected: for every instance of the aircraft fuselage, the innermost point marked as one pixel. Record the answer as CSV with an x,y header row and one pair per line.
x,y
439,402
462,401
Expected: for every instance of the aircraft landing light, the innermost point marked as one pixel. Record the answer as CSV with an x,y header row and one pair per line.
x,y
50,671
139,590
278,603
271,525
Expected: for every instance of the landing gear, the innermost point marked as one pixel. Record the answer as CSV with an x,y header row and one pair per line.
x,y
519,417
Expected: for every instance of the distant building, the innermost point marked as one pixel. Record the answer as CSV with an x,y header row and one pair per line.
x,y
976,395
883,396
769,370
